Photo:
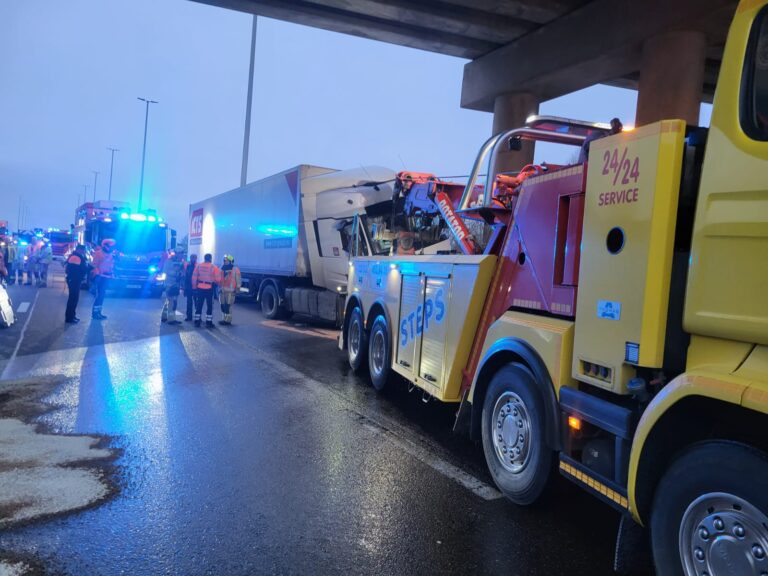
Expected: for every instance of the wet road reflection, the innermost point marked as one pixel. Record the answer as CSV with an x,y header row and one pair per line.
x,y
234,465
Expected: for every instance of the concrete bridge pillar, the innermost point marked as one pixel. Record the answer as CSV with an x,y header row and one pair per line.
x,y
671,77
510,111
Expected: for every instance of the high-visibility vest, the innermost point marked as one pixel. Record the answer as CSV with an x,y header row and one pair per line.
x,y
205,275
103,263
231,281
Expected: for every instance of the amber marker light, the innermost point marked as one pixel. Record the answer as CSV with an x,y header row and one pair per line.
x,y
574,423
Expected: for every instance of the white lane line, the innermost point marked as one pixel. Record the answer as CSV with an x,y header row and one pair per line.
x,y
23,307
21,337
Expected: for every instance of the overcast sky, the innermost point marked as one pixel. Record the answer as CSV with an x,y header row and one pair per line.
x,y
71,71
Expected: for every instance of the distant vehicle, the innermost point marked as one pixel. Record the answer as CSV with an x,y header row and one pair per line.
x,y
143,240
62,242
290,234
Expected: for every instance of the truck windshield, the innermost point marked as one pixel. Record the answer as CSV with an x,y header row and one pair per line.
x,y
60,237
134,237
379,235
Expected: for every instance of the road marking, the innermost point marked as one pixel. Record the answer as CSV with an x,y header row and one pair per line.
x,y
309,331
422,449
21,337
23,307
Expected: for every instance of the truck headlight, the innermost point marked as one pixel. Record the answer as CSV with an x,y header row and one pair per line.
x,y
160,277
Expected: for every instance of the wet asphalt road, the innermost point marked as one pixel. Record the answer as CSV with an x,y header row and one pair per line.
x,y
254,450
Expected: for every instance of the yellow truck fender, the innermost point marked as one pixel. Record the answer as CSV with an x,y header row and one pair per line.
x,y
508,350
687,410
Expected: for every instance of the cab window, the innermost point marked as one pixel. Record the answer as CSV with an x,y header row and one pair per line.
x,y
754,90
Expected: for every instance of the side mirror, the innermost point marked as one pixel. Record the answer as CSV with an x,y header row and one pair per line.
x,y
515,144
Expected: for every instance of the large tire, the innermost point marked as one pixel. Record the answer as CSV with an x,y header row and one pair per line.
x,y
357,340
270,302
514,435
710,512
379,355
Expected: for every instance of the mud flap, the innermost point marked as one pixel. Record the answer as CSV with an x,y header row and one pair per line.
x,y
463,422
633,551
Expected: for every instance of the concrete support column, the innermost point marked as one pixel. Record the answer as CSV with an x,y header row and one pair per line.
x,y
671,77
510,111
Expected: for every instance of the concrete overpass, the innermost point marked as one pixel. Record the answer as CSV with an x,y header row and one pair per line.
x,y
524,52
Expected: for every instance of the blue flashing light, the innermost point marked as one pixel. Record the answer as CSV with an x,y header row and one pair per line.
x,y
152,269
277,230
151,218
23,243
138,217
124,216
107,219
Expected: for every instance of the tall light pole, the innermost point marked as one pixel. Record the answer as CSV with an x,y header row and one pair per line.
x,y
95,181
144,150
247,135
111,168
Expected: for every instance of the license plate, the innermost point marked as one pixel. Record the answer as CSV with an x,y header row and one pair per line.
x,y
132,286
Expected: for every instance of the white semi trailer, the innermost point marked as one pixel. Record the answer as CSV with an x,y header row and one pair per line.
x,y
290,234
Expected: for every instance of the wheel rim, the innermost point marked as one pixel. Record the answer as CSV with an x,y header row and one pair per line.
x,y
378,352
269,301
722,534
354,339
511,432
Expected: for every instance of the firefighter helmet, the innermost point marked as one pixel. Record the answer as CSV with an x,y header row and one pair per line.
x,y
229,258
108,243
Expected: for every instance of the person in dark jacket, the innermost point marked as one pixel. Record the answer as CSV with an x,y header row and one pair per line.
x,y
76,270
189,293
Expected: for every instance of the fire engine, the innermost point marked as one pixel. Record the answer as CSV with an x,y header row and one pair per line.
x,y
608,320
142,242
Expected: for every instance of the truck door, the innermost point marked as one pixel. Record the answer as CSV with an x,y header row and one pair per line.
x,y
410,324
433,331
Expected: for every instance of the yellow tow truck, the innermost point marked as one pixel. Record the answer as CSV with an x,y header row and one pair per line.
x,y
606,319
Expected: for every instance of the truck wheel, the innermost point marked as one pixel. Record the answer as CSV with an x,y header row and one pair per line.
x,y
270,302
710,512
357,340
513,431
378,353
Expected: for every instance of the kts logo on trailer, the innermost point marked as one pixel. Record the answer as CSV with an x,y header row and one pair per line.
x,y
196,227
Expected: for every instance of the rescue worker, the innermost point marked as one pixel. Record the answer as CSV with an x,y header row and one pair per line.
x,y
18,268
11,254
31,262
44,260
76,269
103,267
205,276
174,275
229,287
5,255
3,269
616,127
189,293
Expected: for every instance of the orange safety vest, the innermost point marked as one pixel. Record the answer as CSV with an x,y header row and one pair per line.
x,y
231,281
103,263
205,275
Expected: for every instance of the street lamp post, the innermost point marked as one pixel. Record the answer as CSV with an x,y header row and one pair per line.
x,y
111,168
95,181
144,149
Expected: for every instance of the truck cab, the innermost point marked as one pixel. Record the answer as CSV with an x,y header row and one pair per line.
x,y
608,320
